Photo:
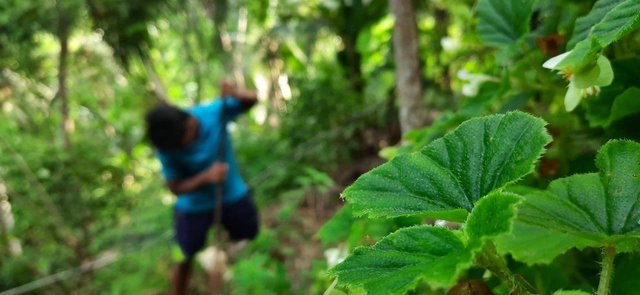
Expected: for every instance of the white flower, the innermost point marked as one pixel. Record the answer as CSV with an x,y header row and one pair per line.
x,y
584,80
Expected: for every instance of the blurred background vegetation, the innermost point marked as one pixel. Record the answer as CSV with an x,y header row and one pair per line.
x,y
79,185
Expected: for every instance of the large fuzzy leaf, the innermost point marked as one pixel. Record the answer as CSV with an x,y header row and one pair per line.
x,y
608,21
585,23
397,262
492,217
453,172
538,244
618,22
603,207
434,255
503,22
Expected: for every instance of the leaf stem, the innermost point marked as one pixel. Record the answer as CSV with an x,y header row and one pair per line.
x,y
497,265
606,276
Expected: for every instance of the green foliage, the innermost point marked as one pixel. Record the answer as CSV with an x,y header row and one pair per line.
x,y
481,153
599,207
609,21
454,172
503,23
326,77
432,254
259,274
395,263
588,210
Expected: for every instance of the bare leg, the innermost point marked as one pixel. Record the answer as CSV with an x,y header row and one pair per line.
x,y
180,277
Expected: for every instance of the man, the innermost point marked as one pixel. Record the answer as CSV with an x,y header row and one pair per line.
x,y
188,146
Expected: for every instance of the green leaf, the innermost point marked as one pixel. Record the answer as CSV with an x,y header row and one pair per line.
x,y
396,263
453,172
434,255
338,227
608,21
603,207
625,104
621,20
537,244
491,217
585,23
503,22
619,164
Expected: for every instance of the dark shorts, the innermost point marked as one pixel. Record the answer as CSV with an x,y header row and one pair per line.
x,y
239,218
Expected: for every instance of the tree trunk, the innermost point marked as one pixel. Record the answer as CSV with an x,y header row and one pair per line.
x,y
413,114
63,35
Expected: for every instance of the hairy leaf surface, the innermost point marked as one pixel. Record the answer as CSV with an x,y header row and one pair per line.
x,y
491,217
585,23
435,255
608,21
503,22
398,261
534,244
453,172
602,207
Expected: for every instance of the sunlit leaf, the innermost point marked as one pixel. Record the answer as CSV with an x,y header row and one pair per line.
x,y
452,173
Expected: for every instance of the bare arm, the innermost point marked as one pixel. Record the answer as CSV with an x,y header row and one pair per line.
x,y
216,173
246,97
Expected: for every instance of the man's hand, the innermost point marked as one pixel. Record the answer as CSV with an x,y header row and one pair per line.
x,y
227,88
216,173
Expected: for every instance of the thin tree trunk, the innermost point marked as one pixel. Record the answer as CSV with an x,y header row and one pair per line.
x,y
63,35
413,114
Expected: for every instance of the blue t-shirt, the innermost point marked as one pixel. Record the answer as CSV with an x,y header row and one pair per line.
x,y
202,153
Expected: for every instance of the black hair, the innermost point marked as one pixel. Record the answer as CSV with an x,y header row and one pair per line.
x,y
166,126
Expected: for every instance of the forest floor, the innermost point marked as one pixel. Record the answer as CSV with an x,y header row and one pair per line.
x,y
293,222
